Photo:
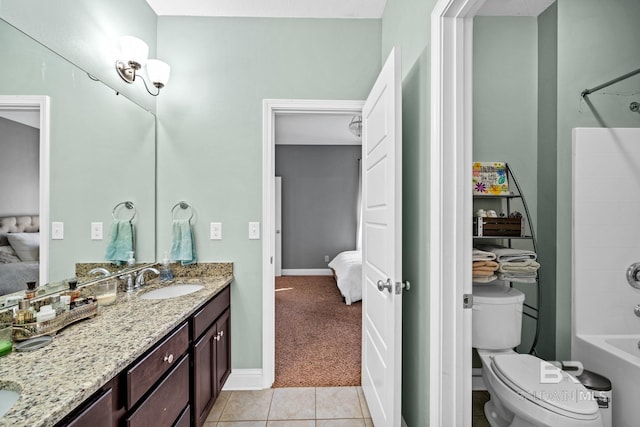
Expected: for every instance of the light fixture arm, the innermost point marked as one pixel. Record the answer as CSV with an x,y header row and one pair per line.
x,y
127,72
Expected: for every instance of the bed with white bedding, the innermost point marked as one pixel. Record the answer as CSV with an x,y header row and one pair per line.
x,y
347,270
19,252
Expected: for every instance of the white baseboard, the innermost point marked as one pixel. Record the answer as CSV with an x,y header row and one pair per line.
x,y
307,272
244,379
477,383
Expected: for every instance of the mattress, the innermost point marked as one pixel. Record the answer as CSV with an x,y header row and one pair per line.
x,y
347,268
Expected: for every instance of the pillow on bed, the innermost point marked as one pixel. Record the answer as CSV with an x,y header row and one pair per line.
x,y
8,255
26,245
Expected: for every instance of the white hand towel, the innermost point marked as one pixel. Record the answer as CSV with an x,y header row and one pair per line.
x,y
479,255
509,254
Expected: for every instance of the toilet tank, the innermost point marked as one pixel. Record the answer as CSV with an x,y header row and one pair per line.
x,y
496,317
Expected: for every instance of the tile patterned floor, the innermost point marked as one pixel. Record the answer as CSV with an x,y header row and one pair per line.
x,y
291,407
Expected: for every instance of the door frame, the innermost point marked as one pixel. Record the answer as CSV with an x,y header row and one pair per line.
x,y
271,107
450,241
42,105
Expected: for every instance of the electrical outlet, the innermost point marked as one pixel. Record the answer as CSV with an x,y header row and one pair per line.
x,y
215,231
254,230
96,231
57,230
326,258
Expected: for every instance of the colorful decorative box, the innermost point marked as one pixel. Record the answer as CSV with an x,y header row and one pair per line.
x,y
490,179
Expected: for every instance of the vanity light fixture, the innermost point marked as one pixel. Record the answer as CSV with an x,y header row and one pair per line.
x,y
355,126
135,53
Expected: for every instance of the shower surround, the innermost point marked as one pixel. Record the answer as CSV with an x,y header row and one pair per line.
x,y
606,241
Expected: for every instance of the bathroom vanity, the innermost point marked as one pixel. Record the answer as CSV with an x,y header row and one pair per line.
x,y
138,363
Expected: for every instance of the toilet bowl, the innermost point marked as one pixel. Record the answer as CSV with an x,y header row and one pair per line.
x,y
525,390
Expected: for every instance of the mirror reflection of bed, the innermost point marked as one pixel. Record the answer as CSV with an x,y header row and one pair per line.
x,y
19,252
318,308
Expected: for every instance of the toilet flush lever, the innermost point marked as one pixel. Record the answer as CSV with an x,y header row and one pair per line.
x,y
633,275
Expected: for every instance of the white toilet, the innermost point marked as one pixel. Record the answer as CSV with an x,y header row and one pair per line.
x,y
525,390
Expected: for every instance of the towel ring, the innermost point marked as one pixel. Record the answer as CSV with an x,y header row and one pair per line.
x,y
128,205
183,205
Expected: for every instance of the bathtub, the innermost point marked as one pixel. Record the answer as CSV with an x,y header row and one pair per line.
x,y
617,357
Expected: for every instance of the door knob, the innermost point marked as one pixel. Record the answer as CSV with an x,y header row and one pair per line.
x,y
382,285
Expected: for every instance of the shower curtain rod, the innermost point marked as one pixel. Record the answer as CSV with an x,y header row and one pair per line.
x,y
609,83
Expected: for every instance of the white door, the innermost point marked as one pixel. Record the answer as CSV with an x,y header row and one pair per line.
x,y
382,246
278,219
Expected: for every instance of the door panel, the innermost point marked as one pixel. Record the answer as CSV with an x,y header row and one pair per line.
x,y
382,246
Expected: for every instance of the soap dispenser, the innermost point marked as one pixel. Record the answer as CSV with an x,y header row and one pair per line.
x,y
165,270
131,261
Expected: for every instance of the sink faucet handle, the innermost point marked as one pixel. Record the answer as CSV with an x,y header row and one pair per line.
x,y
130,281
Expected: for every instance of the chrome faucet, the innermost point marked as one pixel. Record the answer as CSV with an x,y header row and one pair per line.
x,y
100,270
130,284
140,279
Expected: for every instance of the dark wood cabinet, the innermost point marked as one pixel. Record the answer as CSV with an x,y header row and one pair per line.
x,y
175,383
97,412
211,355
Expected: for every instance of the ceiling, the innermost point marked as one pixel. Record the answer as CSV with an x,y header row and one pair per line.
x,y
322,8
26,117
314,129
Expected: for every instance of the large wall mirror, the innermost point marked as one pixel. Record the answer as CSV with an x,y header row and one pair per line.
x,y
102,153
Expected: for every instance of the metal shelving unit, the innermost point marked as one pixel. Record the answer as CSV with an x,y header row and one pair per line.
x,y
506,201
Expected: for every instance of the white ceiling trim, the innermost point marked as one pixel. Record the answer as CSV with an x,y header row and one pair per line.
x,y
348,9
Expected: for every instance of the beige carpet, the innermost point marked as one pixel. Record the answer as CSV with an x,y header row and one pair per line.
x,y
318,336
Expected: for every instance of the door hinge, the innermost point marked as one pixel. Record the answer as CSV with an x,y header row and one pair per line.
x,y
467,300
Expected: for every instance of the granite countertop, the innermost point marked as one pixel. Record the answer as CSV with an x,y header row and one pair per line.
x,y
84,356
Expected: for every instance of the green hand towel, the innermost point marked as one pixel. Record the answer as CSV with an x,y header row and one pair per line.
x,y
183,245
121,241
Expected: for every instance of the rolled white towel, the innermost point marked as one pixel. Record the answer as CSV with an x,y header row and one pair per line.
x,y
509,254
484,279
521,278
478,255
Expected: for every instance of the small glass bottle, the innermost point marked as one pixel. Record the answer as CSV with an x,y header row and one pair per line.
x,y
25,312
31,291
73,292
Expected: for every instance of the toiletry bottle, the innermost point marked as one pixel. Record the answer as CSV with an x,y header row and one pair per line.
x,y
165,270
31,291
73,292
131,261
25,312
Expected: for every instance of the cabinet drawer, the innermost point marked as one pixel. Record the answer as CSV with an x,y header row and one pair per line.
x,y
210,312
147,371
167,402
185,418
98,414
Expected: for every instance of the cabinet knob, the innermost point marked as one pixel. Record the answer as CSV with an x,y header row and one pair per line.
x,y
221,333
168,358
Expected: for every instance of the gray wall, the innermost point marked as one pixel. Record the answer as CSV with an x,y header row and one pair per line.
x,y
19,168
319,202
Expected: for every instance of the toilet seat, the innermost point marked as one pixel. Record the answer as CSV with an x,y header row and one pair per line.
x,y
522,374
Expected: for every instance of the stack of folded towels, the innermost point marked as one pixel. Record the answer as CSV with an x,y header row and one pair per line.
x,y
484,266
514,265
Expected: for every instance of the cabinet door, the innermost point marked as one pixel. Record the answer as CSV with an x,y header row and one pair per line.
x,y
204,370
223,350
98,414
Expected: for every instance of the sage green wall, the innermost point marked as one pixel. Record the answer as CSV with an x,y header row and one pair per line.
x,y
87,33
505,109
547,177
210,128
597,41
407,24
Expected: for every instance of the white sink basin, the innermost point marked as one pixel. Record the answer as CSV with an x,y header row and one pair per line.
x,y
7,399
171,291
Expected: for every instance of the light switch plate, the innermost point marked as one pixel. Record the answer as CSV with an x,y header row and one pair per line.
x,y
57,230
215,231
254,230
96,231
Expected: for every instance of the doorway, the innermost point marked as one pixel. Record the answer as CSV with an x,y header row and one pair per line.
x,y
35,110
271,109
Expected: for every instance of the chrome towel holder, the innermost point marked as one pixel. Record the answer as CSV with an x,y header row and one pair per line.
x,y
182,205
127,204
